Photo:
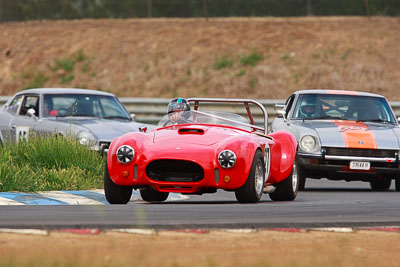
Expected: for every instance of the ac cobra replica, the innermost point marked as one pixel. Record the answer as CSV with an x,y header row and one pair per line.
x,y
343,135
205,152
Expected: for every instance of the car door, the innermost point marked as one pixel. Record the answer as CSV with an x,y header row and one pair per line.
x,y
10,111
22,125
281,121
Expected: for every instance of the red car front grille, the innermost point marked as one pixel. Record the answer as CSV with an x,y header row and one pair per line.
x,y
168,170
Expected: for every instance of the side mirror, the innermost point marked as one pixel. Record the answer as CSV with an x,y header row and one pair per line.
x,y
279,110
31,112
143,129
133,116
280,113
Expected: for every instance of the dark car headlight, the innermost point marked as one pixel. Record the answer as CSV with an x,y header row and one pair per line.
x,y
125,154
226,159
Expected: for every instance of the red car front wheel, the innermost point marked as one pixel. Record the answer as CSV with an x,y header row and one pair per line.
x,y
251,191
115,194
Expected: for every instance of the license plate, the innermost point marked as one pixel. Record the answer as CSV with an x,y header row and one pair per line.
x,y
359,165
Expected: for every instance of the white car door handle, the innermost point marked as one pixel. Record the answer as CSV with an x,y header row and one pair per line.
x,y
13,126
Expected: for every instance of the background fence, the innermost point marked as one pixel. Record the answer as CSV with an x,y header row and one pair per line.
x,y
151,110
19,10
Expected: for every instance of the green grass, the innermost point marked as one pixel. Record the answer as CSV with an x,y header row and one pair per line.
x,y
85,68
80,56
67,78
251,59
222,63
49,164
241,73
66,64
253,82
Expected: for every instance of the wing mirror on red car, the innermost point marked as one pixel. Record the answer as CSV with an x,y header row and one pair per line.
x,y
143,129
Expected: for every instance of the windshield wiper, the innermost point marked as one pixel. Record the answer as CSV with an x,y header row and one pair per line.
x,y
326,117
375,120
74,115
81,115
116,117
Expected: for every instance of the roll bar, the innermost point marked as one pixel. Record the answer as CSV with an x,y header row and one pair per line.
x,y
246,103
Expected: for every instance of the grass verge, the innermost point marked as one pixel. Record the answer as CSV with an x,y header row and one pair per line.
x,y
44,164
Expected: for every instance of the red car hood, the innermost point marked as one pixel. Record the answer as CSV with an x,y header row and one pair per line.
x,y
193,134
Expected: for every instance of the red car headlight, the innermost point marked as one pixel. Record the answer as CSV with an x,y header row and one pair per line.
x,y
226,159
125,154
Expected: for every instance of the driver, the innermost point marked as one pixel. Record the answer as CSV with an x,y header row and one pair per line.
x,y
48,107
307,108
178,110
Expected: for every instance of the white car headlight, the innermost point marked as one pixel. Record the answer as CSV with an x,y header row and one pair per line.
x,y
86,138
309,143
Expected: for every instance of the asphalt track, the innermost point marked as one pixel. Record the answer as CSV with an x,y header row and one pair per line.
x,y
323,204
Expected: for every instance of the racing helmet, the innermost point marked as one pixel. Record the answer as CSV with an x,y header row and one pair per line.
x,y
178,104
307,107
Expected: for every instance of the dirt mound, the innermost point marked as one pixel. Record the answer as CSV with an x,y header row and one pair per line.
x,y
217,248
236,57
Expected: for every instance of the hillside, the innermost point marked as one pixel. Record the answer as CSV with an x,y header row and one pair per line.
x,y
234,57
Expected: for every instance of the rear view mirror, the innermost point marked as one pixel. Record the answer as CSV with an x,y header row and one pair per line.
x,y
341,103
133,116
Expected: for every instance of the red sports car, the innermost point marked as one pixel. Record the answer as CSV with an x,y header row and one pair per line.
x,y
203,152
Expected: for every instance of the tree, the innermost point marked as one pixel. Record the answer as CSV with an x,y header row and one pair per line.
x,y
309,12
205,9
149,7
366,7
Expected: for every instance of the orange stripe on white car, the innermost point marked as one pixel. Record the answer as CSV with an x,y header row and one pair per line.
x,y
356,134
341,92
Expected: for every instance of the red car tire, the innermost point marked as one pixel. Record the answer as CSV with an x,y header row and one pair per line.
x,y
288,188
251,191
115,194
151,195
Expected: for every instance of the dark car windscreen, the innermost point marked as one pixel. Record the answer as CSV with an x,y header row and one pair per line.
x,y
208,117
343,107
83,105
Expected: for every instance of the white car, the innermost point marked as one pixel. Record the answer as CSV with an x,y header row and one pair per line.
x,y
343,135
94,117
